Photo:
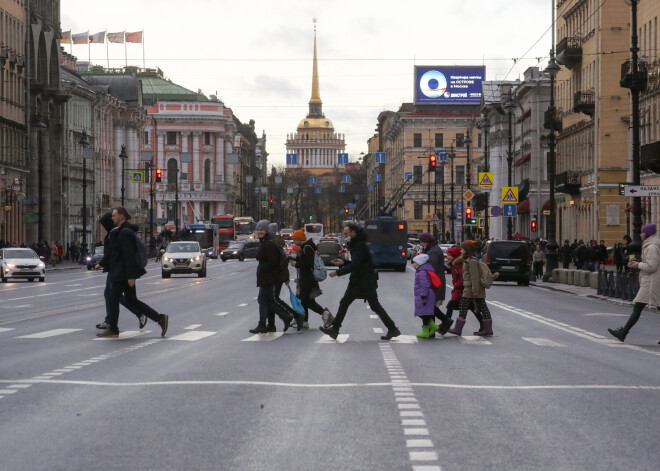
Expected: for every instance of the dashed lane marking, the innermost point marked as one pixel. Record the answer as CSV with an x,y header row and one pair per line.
x,y
222,314
48,333
473,340
378,330
405,339
18,306
373,316
242,305
6,329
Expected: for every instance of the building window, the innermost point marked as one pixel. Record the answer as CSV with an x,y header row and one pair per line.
x,y
417,174
417,140
479,140
460,139
419,210
171,138
172,174
146,138
439,140
459,173
207,138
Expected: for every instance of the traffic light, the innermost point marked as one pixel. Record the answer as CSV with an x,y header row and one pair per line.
x,y
270,201
159,175
533,225
432,162
346,210
469,220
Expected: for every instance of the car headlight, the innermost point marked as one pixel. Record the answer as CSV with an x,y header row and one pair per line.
x,y
196,259
166,259
41,265
89,259
235,252
11,265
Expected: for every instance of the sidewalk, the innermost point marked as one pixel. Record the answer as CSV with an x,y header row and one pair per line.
x,y
66,265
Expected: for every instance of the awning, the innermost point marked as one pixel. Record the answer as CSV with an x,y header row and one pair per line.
x,y
546,205
523,159
523,206
524,116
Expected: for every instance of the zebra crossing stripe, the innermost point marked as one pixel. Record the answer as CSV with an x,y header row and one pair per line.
x,y
264,337
48,333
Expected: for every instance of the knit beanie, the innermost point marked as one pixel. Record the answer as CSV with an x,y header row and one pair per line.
x,y
263,224
299,235
454,252
649,230
421,259
426,237
272,228
469,246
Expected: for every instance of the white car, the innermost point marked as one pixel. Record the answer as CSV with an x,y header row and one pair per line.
x,y
21,263
183,257
444,248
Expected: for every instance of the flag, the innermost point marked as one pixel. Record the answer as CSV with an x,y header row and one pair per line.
x,y
97,38
81,38
134,37
116,37
66,37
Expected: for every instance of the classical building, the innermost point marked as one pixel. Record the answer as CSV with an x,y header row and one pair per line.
x,y
592,152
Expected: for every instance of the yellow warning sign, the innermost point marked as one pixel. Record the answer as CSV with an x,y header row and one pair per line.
x,y
509,195
486,179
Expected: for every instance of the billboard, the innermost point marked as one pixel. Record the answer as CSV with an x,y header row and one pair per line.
x,y
448,84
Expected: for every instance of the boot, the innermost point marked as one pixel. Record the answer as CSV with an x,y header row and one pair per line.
x,y
271,328
287,322
327,317
433,328
480,318
619,333
259,329
424,334
458,326
486,329
390,334
300,321
331,331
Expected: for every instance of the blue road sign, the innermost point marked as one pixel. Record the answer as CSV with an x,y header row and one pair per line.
x,y
357,197
347,179
292,159
317,189
377,177
407,175
342,159
380,157
510,210
441,155
351,205
495,211
459,207
342,189
312,180
371,187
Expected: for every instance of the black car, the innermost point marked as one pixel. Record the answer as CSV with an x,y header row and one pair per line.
x,y
240,250
93,258
511,259
330,250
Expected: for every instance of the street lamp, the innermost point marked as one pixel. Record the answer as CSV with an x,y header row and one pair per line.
x,y
509,105
451,190
84,142
123,156
40,125
484,124
551,246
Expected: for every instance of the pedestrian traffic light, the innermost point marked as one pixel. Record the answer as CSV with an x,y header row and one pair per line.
x,y
533,225
432,161
159,175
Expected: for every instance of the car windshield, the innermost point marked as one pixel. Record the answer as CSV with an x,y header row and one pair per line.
x,y
182,247
327,247
98,250
20,253
508,250
236,245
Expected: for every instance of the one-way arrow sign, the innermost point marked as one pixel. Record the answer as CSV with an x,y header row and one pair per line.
x,y
641,190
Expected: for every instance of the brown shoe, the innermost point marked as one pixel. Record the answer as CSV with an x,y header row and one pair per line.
x,y
162,322
109,334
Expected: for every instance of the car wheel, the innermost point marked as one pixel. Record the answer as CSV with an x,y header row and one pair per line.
x,y
241,258
525,282
223,259
166,275
42,279
30,280
401,268
89,268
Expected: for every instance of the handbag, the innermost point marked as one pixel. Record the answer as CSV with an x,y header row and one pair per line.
x,y
295,302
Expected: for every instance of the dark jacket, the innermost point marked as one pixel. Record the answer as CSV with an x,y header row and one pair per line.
x,y
284,266
121,254
108,225
566,253
362,281
305,266
437,261
269,271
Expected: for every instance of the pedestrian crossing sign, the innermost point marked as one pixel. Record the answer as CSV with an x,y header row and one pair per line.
x,y
482,223
486,179
509,195
137,177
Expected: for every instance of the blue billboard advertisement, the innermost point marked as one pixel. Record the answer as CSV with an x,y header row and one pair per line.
x,y
448,84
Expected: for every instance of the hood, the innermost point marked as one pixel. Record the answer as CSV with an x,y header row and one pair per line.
x,y
360,236
106,222
653,240
131,226
310,243
426,267
457,261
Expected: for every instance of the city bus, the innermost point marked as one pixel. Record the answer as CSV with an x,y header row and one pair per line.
x,y
225,230
314,231
205,234
387,239
245,228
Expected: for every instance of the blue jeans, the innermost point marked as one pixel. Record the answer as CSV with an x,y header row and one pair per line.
x,y
266,300
122,301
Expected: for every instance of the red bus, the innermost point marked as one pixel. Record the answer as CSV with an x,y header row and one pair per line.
x,y
225,230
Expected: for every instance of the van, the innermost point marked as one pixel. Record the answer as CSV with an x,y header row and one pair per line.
x,y
511,258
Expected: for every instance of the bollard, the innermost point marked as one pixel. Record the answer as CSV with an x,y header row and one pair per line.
x,y
577,276
593,280
601,283
610,284
555,275
563,275
570,276
617,285
625,290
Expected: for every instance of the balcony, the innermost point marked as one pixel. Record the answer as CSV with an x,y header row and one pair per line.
x,y
585,102
552,120
569,52
650,157
628,76
568,182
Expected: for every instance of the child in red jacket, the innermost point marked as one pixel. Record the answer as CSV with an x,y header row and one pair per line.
x,y
456,261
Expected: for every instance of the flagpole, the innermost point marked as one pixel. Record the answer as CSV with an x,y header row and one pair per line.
x,y
89,50
125,53
107,53
143,62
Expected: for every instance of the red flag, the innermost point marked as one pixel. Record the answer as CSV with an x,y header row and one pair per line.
x,y
81,38
116,37
134,37
97,38
66,37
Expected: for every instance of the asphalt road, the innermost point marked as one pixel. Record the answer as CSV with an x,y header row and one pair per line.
x,y
550,390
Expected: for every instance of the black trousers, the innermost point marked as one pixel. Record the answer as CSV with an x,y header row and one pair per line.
x,y
374,304
280,303
132,303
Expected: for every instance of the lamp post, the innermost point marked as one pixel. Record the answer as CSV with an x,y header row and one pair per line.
x,y
484,124
40,125
509,106
123,156
551,247
442,197
84,142
428,201
451,189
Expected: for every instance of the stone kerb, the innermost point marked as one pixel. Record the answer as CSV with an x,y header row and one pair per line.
x,y
570,276
593,280
555,275
585,278
577,276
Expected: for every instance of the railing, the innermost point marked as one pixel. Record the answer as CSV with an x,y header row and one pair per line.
x,y
584,102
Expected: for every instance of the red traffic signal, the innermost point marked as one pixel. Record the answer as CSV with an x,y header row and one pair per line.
x,y
468,213
159,175
271,201
533,226
432,161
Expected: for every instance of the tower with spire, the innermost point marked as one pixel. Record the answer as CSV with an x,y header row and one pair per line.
x,y
315,143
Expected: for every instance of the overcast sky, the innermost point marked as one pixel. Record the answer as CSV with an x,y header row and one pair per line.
x,y
257,54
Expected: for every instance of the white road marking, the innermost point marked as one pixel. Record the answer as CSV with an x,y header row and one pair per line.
x,y
75,284
6,329
19,386
414,422
426,468
48,333
192,335
606,314
423,456
341,338
192,326
7,391
408,406
415,431
19,306
127,334
373,316
264,337
404,339
542,342
473,340
378,330
242,305
419,443
222,314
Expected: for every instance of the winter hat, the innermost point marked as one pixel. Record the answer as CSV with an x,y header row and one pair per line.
x,y
299,235
426,237
454,252
106,221
272,228
649,230
421,259
263,224
469,246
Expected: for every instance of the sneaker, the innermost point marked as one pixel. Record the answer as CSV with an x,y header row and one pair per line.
x,y
143,321
162,322
109,334
102,325
327,318
390,334
331,331
271,328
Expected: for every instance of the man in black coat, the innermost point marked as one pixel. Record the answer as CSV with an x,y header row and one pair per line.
x,y
362,283
121,256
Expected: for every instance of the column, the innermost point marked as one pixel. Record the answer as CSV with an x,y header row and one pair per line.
x,y
219,167
160,151
184,148
196,163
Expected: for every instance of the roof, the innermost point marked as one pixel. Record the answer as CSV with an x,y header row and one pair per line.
x,y
156,88
125,87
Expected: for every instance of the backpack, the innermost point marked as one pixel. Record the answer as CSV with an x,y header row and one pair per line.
x,y
141,254
320,272
435,280
486,278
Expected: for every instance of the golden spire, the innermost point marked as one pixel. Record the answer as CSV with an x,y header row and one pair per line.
x,y
316,95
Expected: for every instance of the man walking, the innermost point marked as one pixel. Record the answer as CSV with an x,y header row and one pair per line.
x,y
362,283
124,270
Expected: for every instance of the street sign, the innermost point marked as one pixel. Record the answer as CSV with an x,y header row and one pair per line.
x,y
371,187
496,211
137,177
641,190
271,211
482,223
380,157
510,210
441,155
292,159
428,217
377,177
342,189
435,218
486,179
347,179
312,180
510,195
546,212
468,195
317,190
407,175
264,204
342,159
459,207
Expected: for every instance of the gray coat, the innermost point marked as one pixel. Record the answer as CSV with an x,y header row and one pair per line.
x,y
649,273
437,261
